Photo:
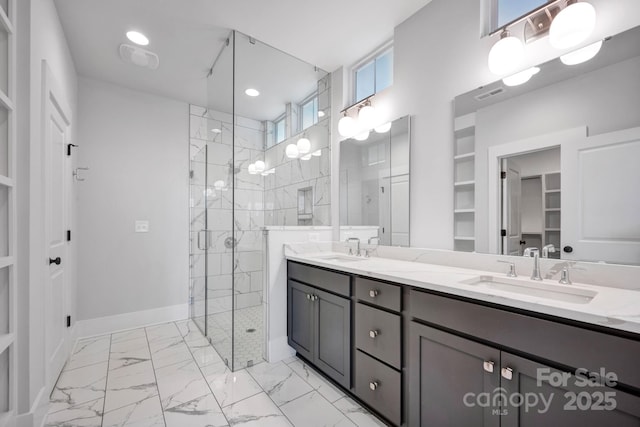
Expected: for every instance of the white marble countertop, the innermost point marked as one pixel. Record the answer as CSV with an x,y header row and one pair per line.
x,y
611,307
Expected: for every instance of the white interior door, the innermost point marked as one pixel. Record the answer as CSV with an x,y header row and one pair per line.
x,y
599,197
511,202
56,136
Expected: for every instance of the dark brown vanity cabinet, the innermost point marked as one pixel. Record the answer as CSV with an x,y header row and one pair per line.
x,y
319,320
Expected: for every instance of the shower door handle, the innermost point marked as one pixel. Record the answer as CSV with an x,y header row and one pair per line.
x,y
207,240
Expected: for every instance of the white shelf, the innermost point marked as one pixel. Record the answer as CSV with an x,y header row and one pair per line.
x,y
6,23
551,229
6,261
469,238
460,211
552,210
552,191
6,181
6,418
5,101
532,232
5,341
464,183
464,156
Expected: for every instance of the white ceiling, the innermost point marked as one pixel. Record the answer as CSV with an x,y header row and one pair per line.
x,y
188,34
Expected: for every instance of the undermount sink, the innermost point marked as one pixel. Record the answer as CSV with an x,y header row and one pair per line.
x,y
564,293
339,258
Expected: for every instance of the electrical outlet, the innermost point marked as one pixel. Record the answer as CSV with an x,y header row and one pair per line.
x,y
142,226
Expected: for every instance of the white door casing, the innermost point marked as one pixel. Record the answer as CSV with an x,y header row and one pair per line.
x,y
599,196
511,205
56,128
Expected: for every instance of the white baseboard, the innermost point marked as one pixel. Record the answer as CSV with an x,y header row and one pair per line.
x,y
38,412
137,319
278,349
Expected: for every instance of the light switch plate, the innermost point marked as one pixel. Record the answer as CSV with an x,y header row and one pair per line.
x,y
142,226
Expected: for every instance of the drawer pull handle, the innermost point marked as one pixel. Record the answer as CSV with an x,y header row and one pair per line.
x,y
488,366
373,334
373,385
373,293
314,297
507,373
308,296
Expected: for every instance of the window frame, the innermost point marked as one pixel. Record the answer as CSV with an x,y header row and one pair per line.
x,y
371,57
282,118
313,97
491,15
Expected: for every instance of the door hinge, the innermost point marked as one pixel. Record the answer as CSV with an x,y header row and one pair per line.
x,y
69,148
503,175
68,321
68,235
503,233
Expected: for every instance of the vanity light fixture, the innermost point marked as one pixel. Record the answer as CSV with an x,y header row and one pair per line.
x,y
303,145
367,116
581,55
306,157
292,151
572,25
216,130
506,55
317,153
521,77
260,166
383,128
252,92
321,113
219,185
362,136
137,38
252,169
346,125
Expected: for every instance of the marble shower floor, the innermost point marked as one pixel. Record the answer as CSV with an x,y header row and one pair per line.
x,y
169,375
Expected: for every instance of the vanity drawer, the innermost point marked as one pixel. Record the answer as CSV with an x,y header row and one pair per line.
x,y
379,386
378,333
378,293
323,279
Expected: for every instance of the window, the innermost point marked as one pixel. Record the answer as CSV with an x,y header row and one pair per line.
x,y
506,11
309,112
374,75
279,129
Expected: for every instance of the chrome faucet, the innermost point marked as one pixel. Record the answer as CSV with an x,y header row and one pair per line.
x,y
535,253
357,241
512,268
547,249
376,238
564,276
371,248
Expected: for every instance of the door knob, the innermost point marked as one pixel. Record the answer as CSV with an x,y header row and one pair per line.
x,y
373,293
55,261
568,249
373,385
373,334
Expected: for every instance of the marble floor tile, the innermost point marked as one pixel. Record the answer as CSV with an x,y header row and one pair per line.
x,y
129,384
132,334
181,383
204,353
256,411
356,413
88,414
189,331
279,382
203,411
169,351
231,387
79,386
313,410
89,352
144,413
322,386
162,331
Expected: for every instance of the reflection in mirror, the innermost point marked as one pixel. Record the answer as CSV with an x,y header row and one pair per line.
x,y
552,164
374,183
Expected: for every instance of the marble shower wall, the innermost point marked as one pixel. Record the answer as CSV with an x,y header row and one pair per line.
x,y
281,188
249,207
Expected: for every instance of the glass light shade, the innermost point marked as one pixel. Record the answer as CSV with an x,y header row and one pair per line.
x,y
506,55
138,38
362,136
306,157
321,113
218,185
572,25
292,151
346,126
265,173
581,55
317,153
252,92
386,127
304,145
216,130
367,117
259,164
252,169
521,77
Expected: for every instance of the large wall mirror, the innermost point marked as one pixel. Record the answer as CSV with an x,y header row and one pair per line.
x,y
374,183
553,163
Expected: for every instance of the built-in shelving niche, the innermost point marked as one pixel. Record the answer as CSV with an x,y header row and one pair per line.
x,y
464,183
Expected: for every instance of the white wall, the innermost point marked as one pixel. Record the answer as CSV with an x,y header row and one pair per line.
x,y
438,54
136,146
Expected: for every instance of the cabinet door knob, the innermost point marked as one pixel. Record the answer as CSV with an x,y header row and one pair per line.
x,y
488,366
314,297
373,385
373,293
308,296
373,333
507,373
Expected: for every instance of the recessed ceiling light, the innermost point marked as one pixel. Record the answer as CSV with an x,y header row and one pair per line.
x,y
216,130
252,92
138,38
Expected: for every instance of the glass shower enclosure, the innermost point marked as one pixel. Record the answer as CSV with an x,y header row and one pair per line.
x,y
228,170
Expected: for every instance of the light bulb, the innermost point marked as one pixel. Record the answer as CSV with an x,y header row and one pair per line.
x,y
521,77
138,38
367,117
572,25
506,55
321,113
317,153
304,145
362,136
581,55
386,127
259,164
252,92
252,169
346,126
218,185
292,151
306,157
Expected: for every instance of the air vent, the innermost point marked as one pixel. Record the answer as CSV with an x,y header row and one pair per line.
x,y
138,56
489,94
